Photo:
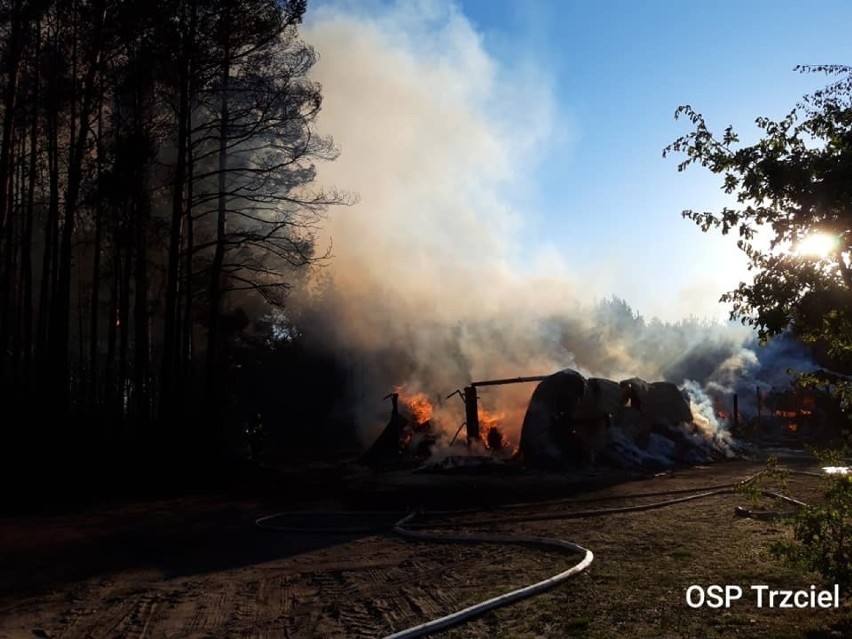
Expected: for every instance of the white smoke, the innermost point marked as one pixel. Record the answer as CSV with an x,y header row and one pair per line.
x,y
435,136
429,287
709,434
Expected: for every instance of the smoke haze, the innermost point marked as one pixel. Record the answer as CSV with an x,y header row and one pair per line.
x,y
430,287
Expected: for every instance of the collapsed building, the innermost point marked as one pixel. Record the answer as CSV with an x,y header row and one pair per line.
x,y
403,439
798,414
570,421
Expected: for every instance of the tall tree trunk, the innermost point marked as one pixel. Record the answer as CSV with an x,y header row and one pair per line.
x,y
10,98
17,268
140,317
187,345
59,325
189,394
50,257
141,209
7,265
215,299
189,270
8,275
12,61
110,386
124,336
29,216
94,308
81,335
171,330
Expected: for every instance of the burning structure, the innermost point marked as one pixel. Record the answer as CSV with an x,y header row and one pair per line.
x,y
570,421
797,414
411,434
404,437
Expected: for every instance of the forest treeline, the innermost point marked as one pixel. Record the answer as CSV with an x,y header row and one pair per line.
x,y
157,160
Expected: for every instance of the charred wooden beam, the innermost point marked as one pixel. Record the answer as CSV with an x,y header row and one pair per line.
x,y
759,405
736,411
510,380
471,414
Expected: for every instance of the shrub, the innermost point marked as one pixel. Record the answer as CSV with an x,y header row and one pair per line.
x,y
822,533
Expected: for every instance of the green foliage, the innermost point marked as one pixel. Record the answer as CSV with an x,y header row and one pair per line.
x,y
830,456
822,533
794,182
771,478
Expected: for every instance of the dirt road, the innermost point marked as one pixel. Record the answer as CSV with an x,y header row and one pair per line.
x,y
197,567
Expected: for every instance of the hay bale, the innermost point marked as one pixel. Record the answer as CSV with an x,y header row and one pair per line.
x,y
545,433
601,397
664,404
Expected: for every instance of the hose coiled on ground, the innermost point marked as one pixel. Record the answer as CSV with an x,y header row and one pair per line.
x,y
403,528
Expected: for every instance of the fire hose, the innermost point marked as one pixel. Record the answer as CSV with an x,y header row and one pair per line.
x,y
403,528
501,600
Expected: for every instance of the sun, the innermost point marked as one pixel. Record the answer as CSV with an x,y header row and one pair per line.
x,y
816,245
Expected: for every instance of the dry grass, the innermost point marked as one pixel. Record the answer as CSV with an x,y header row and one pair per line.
x,y
197,568
645,561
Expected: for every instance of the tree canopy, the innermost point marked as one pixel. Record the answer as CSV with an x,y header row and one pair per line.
x,y
792,214
158,165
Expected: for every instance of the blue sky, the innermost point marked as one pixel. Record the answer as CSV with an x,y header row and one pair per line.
x,y
593,86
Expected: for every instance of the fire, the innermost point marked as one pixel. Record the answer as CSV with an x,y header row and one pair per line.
x,y
418,405
488,420
426,423
417,434
795,407
490,432
728,415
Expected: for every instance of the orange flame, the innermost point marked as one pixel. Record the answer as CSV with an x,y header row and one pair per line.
x,y
417,404
488,419
489,429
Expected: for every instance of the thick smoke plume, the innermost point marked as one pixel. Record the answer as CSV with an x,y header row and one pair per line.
x,y
429,289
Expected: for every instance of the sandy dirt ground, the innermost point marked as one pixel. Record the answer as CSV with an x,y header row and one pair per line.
x,y
197,567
